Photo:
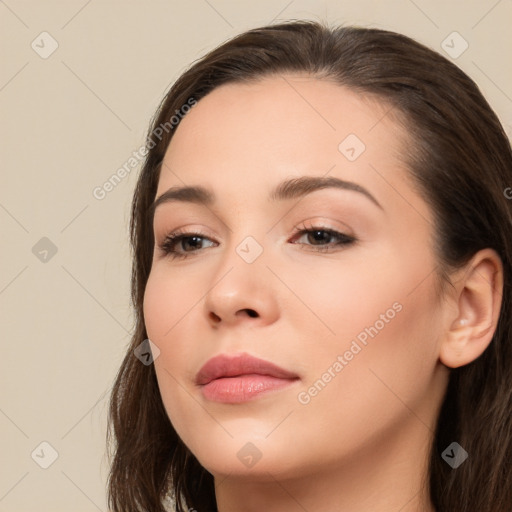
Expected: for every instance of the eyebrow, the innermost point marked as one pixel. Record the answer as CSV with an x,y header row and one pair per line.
x,y
290,189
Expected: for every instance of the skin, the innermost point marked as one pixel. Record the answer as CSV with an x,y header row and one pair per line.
x,y
362,442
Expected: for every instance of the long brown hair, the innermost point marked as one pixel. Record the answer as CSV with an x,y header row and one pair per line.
x,y
461,162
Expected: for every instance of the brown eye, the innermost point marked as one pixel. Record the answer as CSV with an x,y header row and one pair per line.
x,y
177,245
322,238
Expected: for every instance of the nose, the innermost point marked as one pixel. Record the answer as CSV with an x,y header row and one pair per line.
x,y
242,292
251,313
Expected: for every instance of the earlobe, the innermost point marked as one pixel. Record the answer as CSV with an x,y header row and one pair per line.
x,y
479,297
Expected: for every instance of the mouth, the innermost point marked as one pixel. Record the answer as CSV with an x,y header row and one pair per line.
x,y
241,378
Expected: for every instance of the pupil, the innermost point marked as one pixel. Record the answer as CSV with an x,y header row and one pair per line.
x,y
319,236
196,239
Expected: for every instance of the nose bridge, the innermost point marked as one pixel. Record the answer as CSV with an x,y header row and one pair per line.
x,y
241,264
247,235
242,280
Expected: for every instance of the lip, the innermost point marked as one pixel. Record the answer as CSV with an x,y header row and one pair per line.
x,y
240,378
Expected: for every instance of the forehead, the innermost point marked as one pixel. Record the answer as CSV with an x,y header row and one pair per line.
x,y
253,134
299,104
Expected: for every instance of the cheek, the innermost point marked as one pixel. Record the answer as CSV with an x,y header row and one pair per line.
x,y
388,345
337,300
165,307
169,314
171,323
167,299
384,321
383,382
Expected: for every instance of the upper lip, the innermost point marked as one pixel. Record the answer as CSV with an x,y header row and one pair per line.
x,y
240,364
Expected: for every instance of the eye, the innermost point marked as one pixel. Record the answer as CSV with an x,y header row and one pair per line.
x,y
182,241
321,239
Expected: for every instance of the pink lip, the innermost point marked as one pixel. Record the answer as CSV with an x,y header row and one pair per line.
x,y
240,378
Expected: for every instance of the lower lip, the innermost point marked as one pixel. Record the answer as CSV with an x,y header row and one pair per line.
x,y
243,388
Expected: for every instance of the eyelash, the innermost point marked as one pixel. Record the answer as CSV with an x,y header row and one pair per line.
x,y
168,247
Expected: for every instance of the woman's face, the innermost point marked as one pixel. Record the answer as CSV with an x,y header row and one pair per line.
x,y
334,284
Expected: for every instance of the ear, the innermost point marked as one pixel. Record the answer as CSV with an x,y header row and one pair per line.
x,y
478,295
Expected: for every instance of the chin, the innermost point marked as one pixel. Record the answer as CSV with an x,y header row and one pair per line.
x,y
249,457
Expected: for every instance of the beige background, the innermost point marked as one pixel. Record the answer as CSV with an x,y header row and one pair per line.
x,y
69,121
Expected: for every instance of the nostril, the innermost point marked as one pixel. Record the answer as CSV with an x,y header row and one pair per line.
x,y
250,312
214,317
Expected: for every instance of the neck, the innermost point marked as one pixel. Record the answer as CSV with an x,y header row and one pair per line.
x,y
389,476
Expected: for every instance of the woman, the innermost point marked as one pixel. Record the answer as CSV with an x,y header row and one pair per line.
x,y
322,262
